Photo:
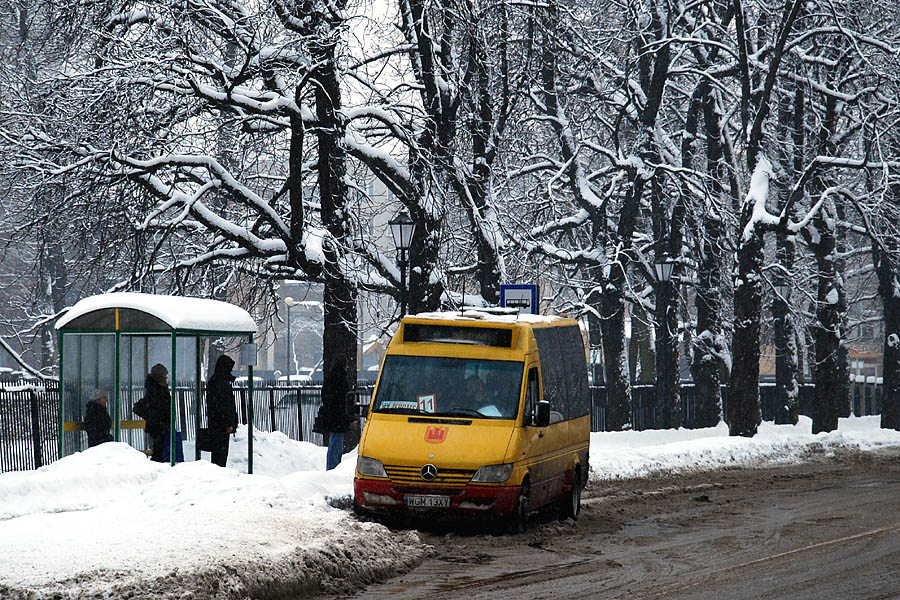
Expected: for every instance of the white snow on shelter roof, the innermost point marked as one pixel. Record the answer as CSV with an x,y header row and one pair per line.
x,y
179,312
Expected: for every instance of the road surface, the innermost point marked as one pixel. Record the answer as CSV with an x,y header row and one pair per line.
x,y
829,529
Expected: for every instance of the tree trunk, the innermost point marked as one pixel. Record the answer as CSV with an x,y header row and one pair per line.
x,y
425,287
340,293
888,284
791,120
825,330
743,394
667,408
618,391
707,349
641,352
707,346
595,346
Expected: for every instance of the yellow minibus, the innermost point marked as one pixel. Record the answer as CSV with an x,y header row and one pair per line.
x,y
477,413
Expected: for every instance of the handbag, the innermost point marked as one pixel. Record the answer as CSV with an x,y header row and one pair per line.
x,y
319,421
141,408
205,440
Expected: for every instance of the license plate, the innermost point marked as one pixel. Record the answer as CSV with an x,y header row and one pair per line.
x,y
427,501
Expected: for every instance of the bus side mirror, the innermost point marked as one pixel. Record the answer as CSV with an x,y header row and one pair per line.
x,y
542,414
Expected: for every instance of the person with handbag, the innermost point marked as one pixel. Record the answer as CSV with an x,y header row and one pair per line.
x,y
158,411
221,414
337,416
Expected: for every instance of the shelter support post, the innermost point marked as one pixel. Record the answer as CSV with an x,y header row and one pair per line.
x,y
174,387
62,390
197,390
250,413
117,393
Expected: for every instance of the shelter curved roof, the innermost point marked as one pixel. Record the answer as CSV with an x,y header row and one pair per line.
x,y
153,312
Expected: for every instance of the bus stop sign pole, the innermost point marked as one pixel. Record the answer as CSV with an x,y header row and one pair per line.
x,y
248,359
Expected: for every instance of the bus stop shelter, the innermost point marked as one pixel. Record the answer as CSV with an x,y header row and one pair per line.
x,y
110,342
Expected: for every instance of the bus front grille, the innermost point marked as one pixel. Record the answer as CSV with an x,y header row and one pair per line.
x,y
414,475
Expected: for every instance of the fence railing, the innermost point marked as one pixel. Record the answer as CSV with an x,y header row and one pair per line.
x,y
29,413
28,426
865,399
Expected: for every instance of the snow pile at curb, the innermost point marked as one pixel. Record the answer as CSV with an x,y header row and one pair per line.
x,y
107,522
632,454
362,553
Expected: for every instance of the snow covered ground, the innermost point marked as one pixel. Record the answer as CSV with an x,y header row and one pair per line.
x,y
107,522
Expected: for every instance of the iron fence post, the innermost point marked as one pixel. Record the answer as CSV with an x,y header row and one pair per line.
x,y
37,446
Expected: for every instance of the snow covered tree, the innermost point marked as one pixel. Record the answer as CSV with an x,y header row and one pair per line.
x,y
462,67
182,74
743,394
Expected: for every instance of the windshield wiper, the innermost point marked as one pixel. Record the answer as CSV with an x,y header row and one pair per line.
x,y
460,411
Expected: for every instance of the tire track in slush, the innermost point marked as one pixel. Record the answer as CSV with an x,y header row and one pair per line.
x,y
730,570
588,566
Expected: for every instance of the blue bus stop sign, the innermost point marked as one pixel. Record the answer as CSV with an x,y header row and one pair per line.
x,y
520,296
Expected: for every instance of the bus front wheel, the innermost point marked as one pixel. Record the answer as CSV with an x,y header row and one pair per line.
x,y
518,521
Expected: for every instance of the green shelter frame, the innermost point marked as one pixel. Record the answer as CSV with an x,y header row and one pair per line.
x,y
117,319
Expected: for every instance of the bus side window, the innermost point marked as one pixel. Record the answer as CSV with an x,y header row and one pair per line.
x,y
532,395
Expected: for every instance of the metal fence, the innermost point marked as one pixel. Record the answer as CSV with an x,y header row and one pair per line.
x,y
29,425
29,413
292,409
865,398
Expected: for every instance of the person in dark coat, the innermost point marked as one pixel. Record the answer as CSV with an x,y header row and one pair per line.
x,y
159,417
337,413
97,421
221,414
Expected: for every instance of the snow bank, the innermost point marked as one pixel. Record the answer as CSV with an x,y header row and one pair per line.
x,y
629,454
107,522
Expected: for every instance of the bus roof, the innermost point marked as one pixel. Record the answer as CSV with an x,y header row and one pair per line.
x,y
482,315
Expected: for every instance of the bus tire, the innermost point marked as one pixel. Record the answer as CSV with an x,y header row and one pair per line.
x,y
570,503
518,521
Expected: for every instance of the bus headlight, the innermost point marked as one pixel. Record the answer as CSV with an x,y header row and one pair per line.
x,y
493,473
370,467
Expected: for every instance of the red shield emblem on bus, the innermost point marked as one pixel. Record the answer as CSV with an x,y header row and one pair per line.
x,y
436,435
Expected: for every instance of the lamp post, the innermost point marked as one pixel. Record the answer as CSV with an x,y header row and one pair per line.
x,y
666,409
289,302
402,228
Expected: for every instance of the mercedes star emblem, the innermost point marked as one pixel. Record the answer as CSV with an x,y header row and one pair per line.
x,y
428,472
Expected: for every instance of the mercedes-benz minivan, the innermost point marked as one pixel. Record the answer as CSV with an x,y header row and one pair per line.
x,y
477,414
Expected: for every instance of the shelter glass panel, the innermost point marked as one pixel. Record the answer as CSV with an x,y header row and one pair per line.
x,y
88,368
187,400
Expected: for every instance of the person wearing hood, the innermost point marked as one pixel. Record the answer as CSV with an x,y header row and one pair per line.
x,y
159,416
97,421
221,414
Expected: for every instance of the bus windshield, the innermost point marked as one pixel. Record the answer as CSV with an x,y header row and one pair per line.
x,y
449,387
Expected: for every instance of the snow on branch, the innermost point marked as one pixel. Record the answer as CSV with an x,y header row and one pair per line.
x,y
757,196
21,361
225,179
236,233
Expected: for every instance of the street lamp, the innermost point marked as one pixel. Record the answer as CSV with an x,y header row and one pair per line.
x,y
402,228
665,267
782,288
287,371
